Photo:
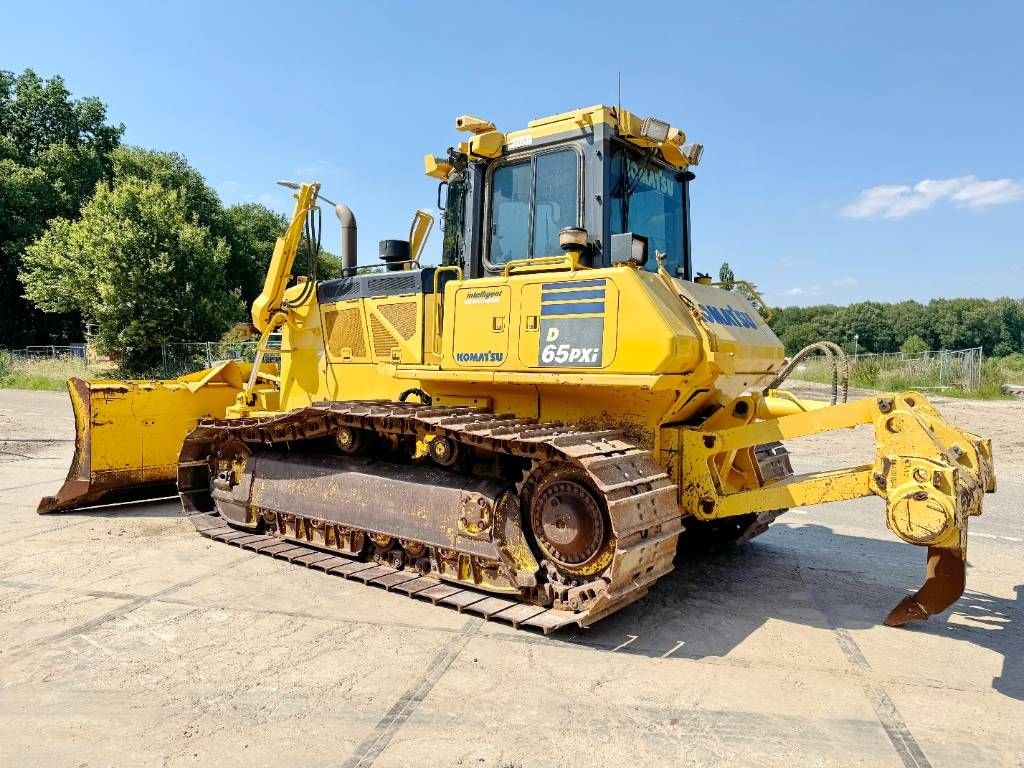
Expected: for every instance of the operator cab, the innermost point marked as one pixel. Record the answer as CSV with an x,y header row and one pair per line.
x,y
508,197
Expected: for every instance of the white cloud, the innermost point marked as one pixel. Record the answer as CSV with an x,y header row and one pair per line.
x,y
894,201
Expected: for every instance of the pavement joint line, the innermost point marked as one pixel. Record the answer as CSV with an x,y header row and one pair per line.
x,y
895,727
36,440
124,610
51,529
517,638
380,737
29,485
993,536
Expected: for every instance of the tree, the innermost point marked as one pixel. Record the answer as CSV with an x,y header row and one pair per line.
x,y
798,336
726,276
53,151
172,171
914,345
252,230
141,266
995,325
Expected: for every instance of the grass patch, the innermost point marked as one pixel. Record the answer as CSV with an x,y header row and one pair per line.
x,y
42,373
900,376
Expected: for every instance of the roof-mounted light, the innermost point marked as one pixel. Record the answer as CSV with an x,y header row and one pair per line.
x,y
692,152
654,130
474,125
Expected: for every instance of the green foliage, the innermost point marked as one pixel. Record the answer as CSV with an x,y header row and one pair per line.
x,y
171,170
141,265
995,325
726,276
865,374
797,336
896,375
914,345
252,231
1014,362
49,373
53,151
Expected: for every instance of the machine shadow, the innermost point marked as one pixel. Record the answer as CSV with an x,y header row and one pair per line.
x,y
164,506
807,575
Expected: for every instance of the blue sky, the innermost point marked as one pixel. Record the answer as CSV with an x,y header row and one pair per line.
x,y
853,151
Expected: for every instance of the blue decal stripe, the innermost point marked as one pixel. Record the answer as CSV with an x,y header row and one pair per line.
x,y
597,293
572,309
597,282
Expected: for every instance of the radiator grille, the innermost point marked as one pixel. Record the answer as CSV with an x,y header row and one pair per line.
x,y
345,329
383,340
402,316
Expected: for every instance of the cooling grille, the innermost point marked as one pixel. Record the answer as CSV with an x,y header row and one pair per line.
x,y
345,329
383,340
402,316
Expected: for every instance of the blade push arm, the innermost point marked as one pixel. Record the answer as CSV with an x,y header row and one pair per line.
x,y
931,475
283,259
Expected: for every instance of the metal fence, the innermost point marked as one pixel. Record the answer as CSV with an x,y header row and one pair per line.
x,y
49,351
188,357
938,369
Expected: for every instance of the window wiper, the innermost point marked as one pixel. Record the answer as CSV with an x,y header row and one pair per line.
x,y
630,184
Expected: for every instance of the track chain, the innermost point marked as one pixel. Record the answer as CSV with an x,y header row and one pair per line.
x,y
640,498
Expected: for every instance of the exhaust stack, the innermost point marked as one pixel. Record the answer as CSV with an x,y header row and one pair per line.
x,y
348,239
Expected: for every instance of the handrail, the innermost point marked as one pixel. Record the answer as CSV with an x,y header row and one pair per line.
x,y
570,261
439,304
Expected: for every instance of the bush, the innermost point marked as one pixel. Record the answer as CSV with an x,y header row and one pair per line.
x,y
1013,363
865,374
914,345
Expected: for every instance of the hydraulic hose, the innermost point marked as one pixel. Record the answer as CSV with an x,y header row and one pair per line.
x,y
837,360
313,229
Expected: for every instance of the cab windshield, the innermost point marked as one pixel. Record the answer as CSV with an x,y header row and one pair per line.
x,y
647,199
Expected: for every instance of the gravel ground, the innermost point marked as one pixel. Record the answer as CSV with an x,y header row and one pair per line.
x,y
126,639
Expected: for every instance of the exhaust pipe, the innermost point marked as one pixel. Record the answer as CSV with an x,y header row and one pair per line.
x,y
348,239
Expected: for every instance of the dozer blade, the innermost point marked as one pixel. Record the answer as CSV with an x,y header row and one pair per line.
x,y
128,434
944,583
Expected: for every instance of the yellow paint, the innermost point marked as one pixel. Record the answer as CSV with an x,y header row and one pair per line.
x,y
675,373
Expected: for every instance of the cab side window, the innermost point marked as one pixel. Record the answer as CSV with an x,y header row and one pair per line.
x,y
510,212
556,206
531,202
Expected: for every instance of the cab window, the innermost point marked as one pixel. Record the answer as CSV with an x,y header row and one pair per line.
x,y
531,202
647,198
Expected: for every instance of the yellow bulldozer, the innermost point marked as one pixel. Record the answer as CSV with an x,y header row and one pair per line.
x,y
532,429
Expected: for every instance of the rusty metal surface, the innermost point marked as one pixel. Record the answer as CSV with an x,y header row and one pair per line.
x,y
394,500
461,599
301,495
945,579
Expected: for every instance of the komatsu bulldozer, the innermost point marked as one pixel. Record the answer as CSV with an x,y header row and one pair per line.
x,y
529,430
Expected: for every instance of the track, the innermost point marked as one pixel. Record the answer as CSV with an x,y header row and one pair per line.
x,y
461,598
639,498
